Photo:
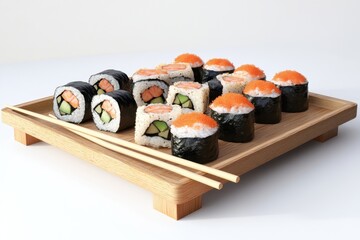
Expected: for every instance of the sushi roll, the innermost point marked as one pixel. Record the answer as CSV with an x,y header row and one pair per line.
x,y
266,98
195,62
114,111
250,72
191,96
226,83
217,66
235,115
294,91
150,86
178,72
152,124
195,137
72,102
110,80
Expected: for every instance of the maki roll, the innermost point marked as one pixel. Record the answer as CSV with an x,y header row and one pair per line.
x,y
150,86
294,91
250,72
72,102
195,137
217,66
110,80
191,96
114,111
266,98
226,83
195,62
235,115
152,124
178,72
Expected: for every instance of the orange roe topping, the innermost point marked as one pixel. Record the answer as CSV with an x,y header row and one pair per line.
x,y
173,67
263,86
220,62
190,119
229,100
189,58
251,69
150,72
290,75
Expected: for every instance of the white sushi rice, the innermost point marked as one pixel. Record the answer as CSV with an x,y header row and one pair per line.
x,y
248,76
233,110
232,87
258,93
78,114
114,124
97,77
198,96
284,83
141,86
218,68
164,77
186,74
198,130
143,121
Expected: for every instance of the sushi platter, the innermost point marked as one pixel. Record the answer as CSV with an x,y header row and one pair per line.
x,y
173,194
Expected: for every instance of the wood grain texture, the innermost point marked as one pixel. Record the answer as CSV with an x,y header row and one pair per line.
x,y
24,138
324,115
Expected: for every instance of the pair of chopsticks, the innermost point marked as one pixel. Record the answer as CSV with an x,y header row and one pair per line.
x,y
141,153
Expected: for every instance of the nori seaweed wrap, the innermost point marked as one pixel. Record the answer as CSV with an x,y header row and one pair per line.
x,y
114,111
72,102
195,137
294,91
216,66
266,98
216,89
110,80
195,62
235,116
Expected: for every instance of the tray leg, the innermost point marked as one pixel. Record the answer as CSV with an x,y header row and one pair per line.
x,y
326,136
24,138
176,210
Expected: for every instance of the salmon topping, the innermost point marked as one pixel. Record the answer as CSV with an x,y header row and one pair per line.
x,y
229,100
106,85
188,85
290,75
150,72
233,79
251,69
158,108
263,86
106,105
173,67
190,119
70,98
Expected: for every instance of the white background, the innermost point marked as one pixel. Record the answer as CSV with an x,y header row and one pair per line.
x,y
309,193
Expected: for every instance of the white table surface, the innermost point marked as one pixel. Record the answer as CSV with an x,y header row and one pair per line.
x,y
312,192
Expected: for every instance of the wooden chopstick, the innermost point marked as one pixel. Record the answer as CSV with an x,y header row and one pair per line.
x,y
133,146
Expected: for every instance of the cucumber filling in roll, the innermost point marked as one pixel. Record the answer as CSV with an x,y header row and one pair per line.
x,y
103,86
153,94
106,111
158,128
67,102
184,101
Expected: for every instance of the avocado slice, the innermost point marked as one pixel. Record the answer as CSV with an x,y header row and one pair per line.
x,y
176,100
188,104
157,100
65,107
152,130
161,125
62,113
96,87
165,134
105,117
98,109
58,99
100,91
182,98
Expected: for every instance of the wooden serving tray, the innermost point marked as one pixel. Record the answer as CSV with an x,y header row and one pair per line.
x,y
174,195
